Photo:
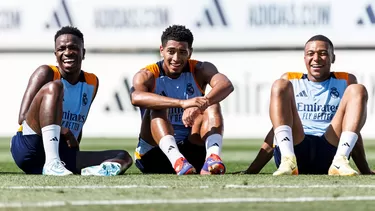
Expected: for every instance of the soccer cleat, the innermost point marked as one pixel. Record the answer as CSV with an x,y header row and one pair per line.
x,y
56,168
340,167
288,166
213,165
104,169
183,167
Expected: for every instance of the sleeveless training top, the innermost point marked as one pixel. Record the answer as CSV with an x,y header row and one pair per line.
x,y
77,100
183,87
317,102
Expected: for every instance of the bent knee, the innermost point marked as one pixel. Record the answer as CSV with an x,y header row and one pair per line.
x,y
160,113
281,86
53,87
357,91
213,111
214,108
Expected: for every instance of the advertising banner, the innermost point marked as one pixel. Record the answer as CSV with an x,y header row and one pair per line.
x,y
216,24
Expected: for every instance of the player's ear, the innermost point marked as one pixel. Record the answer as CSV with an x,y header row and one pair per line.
x,y
161,50
333,58
84,53
56,57
190,52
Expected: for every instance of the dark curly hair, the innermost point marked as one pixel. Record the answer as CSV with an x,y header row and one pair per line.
x,y
178,33
69,30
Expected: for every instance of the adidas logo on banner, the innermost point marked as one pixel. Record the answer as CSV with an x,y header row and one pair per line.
x,y
60,17
370,16
120,102
302,94
213,16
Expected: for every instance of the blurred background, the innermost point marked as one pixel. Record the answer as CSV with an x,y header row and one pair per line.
x,y
252,42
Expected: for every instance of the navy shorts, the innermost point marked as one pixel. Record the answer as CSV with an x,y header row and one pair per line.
x,y
314,155
156,162
28,153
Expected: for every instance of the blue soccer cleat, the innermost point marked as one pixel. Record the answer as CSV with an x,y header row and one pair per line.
x,y
183,167
104,169
213,165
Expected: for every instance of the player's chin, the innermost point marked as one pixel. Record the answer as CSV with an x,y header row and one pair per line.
x,y
317,73
175,72
71,68
177,69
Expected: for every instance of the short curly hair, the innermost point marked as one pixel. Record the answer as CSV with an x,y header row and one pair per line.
x,y
178,33
69,30
323,38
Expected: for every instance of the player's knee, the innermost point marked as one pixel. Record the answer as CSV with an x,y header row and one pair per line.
x,y
54,88
161,113
357,91
213,110
280,87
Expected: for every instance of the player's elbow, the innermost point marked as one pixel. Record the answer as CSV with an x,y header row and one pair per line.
x,y
20,119
136,98
229,86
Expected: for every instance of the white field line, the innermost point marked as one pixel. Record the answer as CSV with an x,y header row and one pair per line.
x,y
197,187
298,186
182,201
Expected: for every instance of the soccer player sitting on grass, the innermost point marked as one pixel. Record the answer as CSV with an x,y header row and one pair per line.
x,y
54,108
182,127
317,118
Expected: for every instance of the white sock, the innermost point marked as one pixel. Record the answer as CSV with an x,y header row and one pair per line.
x,y
214,143
284,138
346,143
168,145
51,139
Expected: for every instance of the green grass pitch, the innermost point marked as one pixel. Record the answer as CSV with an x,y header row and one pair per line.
x,y
134,191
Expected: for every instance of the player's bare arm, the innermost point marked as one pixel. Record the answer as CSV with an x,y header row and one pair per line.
x,y
41,76
142,96
264,155
207,73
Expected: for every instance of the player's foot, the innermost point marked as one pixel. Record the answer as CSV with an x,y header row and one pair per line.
x,y
213,165
288,166
182,167
104,169
340,167
55,168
